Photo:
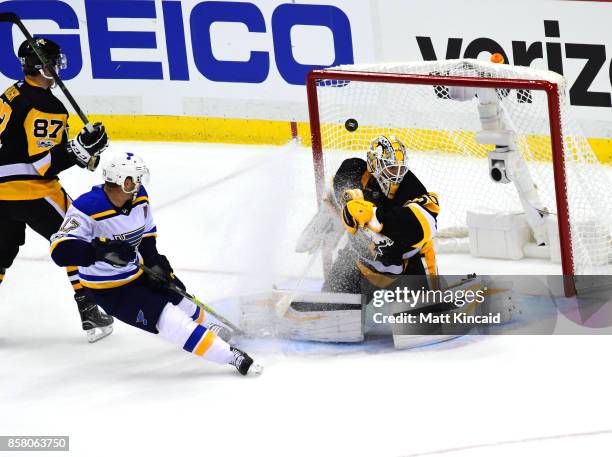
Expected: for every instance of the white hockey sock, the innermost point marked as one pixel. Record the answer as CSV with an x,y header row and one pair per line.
x,y
177,326
198,315
191,309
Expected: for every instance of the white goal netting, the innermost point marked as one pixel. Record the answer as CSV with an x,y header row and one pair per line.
x,y
439,133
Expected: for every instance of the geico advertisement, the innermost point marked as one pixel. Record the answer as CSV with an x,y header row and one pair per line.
x,y
164,49
571,38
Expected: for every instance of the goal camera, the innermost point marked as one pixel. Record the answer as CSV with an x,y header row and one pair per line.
x,y
497,170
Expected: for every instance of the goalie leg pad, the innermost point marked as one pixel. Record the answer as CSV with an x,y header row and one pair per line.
x,y
320,316
497,301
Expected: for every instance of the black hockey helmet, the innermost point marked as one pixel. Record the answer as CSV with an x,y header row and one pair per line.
x,y
50,50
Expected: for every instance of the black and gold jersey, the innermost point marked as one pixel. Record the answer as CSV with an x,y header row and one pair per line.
x,y
408,219
33,135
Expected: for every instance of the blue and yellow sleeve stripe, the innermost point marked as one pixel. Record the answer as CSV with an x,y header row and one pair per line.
x,y
152,232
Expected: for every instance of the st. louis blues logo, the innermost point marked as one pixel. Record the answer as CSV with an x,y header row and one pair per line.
x,y
134,237
130,155
140,319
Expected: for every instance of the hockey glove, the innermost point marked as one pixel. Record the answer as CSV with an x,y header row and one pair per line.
x,y
163,274
115,252
352,194
87,146
359,214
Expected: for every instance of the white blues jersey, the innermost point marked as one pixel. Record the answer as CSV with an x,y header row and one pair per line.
x,y
91,216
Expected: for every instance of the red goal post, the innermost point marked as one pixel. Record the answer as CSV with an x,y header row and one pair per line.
x,y
315,77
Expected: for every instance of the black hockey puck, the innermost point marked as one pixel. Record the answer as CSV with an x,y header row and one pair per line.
x,y
351,125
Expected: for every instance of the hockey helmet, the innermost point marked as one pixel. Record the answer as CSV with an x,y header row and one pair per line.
x,y
123,166
50,50
388,162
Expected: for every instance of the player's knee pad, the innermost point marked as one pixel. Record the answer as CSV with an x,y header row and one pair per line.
x,y
175,325
7,256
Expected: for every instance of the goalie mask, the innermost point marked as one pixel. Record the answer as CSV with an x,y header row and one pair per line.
x,y
388,163
124,166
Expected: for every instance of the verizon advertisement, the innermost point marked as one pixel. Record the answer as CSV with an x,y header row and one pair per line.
x,y
569,37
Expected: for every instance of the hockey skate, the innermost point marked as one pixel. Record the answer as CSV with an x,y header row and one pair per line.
x,y
97,324
245,364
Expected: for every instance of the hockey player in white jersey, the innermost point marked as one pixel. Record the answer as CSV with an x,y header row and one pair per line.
x,y
107,232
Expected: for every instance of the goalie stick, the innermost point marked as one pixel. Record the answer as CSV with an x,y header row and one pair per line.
x,y
321,230
14,19
282,305
188,296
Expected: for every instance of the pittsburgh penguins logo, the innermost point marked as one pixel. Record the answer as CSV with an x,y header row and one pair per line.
x,y
377,248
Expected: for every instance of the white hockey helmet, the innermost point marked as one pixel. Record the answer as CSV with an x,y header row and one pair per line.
x,y
123,166
388,163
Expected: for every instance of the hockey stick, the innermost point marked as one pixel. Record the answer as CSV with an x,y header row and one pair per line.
x,y
183,293
13,18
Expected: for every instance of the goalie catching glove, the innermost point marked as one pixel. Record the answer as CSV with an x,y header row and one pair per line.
x,y
87,146
352,194
360,213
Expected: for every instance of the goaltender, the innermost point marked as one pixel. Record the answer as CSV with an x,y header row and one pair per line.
x,y
390,217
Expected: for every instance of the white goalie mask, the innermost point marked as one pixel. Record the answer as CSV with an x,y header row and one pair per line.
x,y
123,166
388,163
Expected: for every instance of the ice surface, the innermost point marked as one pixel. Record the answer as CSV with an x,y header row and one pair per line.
x,y
227,217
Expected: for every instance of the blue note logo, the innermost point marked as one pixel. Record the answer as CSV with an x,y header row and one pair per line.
x,y
134,237
140,319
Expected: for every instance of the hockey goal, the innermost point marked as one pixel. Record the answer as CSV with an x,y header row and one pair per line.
x,y
433,107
